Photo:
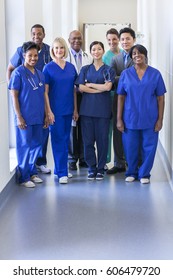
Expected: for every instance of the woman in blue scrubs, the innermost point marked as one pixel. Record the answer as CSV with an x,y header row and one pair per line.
x,y
141,92
27,87
61,105
37,36
95,82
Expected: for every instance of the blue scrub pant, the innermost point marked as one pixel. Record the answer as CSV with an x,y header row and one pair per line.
x,y
60,137
42,160
95,130
144,140
28,146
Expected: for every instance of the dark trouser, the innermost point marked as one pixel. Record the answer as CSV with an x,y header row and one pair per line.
x,y
42,160
95,131
75,152
119,160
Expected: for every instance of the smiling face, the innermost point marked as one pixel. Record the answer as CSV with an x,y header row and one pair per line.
x,y
58,50
37,36
97,52
127,41
113,41
31,57
137,57
75,40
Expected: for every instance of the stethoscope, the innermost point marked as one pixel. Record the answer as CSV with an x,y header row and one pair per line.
x,y
45,51
31,80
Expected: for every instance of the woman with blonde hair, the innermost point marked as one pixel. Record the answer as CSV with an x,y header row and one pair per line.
x,y
61,107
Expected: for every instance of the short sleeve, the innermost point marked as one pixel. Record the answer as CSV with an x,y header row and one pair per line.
x,y
112,75
121,88
17,59
46,75
15,81
160,89
81,79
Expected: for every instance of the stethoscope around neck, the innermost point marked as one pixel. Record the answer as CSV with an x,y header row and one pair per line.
x,y
31,80
45,55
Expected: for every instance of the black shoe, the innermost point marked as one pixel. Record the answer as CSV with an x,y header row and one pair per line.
x,y
99,176
72,166
91,176
115,170
83,164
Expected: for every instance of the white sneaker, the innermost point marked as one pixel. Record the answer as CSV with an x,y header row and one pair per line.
x,y
43,169
105,167
28,184
70,175
36,179
130,179
63,180
145,180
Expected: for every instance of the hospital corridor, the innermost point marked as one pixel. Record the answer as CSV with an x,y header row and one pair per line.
x,y
108,218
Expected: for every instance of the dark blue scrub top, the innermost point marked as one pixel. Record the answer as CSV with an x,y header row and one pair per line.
x,y
97,104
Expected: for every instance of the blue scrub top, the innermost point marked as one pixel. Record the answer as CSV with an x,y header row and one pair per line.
x,y
141,105
61,87
97,104
31,101
43,57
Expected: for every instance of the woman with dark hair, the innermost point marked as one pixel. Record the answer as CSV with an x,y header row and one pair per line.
x,y
95,82
140,92
27,86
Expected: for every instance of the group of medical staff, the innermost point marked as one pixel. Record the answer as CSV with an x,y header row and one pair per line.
x,y
45,87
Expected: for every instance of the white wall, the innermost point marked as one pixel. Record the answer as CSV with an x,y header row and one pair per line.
x,y
155,21
4,139
109,11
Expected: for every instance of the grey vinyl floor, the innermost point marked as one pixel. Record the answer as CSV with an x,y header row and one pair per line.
x,y
109,219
